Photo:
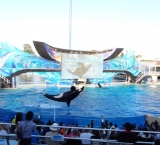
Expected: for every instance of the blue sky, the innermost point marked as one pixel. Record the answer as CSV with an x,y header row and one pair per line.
x,y
96,24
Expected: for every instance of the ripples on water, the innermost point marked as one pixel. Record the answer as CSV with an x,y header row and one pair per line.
x,y
112,101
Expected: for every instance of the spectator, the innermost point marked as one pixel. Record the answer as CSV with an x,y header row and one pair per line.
x,y
92,123
6,118
157,142
145,137
3,129
35,140
112,134
96,135
156,125
61,130
68,133
74,141
104,132
86,134
13,126
18,131
127,135
53,131
47,129
27,127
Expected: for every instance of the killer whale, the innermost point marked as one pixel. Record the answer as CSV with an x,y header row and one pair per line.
x,y
99,85
66,96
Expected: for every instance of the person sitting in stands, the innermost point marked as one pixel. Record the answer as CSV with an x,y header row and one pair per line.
x,y
146,137
61,130
47,129
157,142
35,140
112,134
6,118
156,125
3,129
26,127
96,135
68,132
127,135
86,134
116,128
74,141
53,131
104,132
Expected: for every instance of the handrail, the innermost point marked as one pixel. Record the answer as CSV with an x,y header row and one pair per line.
x,y
144,73
4,79
107,140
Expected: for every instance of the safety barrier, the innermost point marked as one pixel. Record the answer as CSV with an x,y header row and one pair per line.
x,y
4,79
106,141
144,74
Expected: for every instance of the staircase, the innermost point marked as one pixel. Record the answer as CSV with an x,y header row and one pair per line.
x,y
6,82
143,75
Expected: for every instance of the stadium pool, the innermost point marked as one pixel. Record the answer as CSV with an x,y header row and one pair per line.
x,y
117,103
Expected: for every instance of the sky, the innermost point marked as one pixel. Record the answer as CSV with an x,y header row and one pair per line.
x,y
96,24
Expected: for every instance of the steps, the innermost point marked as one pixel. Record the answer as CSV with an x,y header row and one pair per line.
x,y
143,75
4,80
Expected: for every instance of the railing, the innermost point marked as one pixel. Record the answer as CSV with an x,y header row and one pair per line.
x,y
4,79
107,140
154,72
144,74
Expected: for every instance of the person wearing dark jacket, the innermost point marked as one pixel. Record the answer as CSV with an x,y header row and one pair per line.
x,y
128,135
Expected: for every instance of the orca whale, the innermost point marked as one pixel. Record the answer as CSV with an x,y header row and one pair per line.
x,y
66,96
99,85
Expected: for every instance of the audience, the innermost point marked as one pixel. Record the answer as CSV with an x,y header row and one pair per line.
x,y
74,141
27,128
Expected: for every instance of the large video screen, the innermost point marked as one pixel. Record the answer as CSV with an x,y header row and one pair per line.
x,y
78,66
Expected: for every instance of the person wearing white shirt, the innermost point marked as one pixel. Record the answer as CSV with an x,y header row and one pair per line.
x,y
86,134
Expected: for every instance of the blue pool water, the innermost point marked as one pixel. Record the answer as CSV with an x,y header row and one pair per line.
x,y
116,103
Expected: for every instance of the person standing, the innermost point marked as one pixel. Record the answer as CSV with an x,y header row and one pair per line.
x,y
92,123
18,132
27,127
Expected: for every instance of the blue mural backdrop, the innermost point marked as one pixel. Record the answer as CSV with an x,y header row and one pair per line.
x,y
12,59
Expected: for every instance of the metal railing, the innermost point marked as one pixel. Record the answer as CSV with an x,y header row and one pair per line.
x,y
143,74
107,140
5,79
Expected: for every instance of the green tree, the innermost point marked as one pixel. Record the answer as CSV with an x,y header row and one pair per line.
x,y
138,56
27,48
122,54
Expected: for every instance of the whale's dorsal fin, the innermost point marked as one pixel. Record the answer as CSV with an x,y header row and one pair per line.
x,y
68,102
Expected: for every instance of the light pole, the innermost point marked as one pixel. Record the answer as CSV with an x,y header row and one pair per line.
x,y
70,24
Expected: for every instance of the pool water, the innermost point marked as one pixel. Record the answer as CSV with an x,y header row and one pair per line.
x,y
113,101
